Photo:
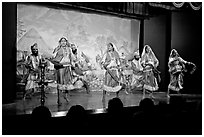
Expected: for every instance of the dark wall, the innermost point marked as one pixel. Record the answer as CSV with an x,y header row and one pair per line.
x,y
187,40
155,36
181,30
8,51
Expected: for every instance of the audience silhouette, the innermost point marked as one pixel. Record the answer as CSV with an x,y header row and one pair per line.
x,y
77,119
76,112
41,120
146,119
116,118
41,112
115,106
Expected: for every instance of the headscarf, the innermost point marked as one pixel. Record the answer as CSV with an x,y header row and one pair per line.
x,y
149,55
115,51
34,52
35,44
136,53
114,47
59,46
171,58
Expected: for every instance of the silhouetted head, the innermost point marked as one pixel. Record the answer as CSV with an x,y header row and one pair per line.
x,y
76,112
146,104
115,105
41,112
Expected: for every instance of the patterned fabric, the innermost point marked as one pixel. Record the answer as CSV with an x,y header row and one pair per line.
x,y
63,73
111,62
149,62
176,67
138,76
150,82
34,71
109,81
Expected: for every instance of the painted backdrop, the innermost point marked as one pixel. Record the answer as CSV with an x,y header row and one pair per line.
x,y
89,32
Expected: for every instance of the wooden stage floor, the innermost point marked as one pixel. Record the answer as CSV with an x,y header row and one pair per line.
x,y
91,101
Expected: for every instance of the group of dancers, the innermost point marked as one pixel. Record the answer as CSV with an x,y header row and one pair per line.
x,y
68,69
143,75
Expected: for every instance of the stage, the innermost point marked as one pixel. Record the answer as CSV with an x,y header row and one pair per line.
x,y
90,101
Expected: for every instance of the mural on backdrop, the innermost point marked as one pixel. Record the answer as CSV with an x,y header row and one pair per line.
x,y
89,32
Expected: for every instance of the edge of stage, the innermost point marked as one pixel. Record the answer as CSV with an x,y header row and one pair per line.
x,y
92,102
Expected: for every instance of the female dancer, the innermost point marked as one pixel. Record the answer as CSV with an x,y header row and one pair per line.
x,y
149,63
62,65
176,68
111,64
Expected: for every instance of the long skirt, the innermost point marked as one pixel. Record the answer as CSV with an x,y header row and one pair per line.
x,y
32,81
176,81
137,81
150,81
110,84
64,78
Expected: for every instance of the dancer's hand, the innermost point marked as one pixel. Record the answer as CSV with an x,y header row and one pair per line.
x,y
194,67
193,70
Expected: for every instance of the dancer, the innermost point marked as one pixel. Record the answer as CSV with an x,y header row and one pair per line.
x,y
137,79
176,68
112,76
32,63
126,73
78,70
150,64
63,68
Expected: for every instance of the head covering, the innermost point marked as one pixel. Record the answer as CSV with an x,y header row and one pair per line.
x,y
72,44
136,53
114,47
35,44
148,55
171,58
59,46
115,52
63,38
174,51
67,42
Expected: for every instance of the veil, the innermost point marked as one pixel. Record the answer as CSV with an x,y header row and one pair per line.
x,y
172,58
115,52
150,55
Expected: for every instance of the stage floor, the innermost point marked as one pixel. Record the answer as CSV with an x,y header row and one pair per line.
x,y
91,101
